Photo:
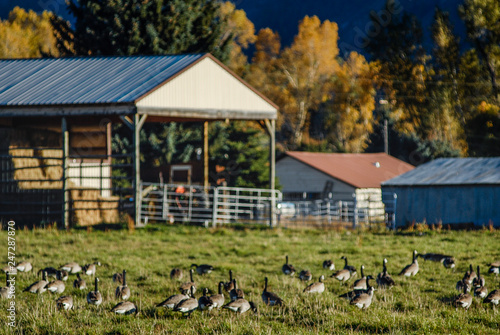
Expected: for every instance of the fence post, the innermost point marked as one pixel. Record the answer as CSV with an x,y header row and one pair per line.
x,y
215,205
355,212
394,212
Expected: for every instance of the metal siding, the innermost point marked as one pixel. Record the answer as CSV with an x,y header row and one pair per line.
x,y
206,86
296,176
85,80
449,204
451,171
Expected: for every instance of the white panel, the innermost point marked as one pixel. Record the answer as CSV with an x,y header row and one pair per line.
x,y
206,86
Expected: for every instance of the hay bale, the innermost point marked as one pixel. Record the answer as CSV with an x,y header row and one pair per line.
x,y
85,212
109,209
37,170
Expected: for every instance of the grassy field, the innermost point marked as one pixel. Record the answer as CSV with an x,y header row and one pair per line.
x,y
419,305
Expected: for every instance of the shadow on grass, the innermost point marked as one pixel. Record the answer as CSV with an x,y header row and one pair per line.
x,y
102,227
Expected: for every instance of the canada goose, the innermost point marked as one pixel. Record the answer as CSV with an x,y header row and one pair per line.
x,y
463,299
364,300
90,269
64,275
49,271
481,291
71,267
5,291
342,275
472,274
494,268
172,301
228,286
79,283
125,308
218,299
56,286
318,287
39,286
305,275
176,274
117,278
493,297
478,281
328,264
434,257
205,302
203,269
236,293
463,283
241,306
360,284
95,297
123,291
24,266
383,278
65,302
288,269
411,269
449,262
270,298
187,306
351,268
185,288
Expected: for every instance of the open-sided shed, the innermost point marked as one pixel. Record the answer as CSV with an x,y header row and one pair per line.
x,y
79,98
449,191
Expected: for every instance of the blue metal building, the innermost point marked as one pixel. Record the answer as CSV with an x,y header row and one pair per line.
x,y
449,191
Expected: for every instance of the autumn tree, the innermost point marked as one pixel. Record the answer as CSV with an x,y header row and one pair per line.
x,y
348,114
298,72
240,32
27,35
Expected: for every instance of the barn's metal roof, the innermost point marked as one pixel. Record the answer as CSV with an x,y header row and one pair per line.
x,y
451,171
366,170
85,80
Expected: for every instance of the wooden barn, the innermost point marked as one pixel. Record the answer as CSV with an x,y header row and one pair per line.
x,y
311,175
56,117
462,191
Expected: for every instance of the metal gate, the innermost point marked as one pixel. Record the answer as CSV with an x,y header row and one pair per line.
x,y
207,205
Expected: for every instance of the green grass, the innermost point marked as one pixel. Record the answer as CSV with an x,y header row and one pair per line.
x,y
419,305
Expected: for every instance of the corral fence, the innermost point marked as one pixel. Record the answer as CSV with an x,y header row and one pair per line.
x,y
39,186
212,206
349,213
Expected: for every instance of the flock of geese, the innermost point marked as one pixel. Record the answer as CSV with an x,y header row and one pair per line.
x,y
185,301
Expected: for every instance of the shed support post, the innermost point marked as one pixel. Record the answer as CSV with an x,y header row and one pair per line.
x,y
205,155
65,154
270,126
138,123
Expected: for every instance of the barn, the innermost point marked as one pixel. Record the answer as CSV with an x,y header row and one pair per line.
x,y
338,176
462,191
56,118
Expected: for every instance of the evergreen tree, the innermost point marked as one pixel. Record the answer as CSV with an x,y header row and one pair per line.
x,y
482,20
135,27
242,150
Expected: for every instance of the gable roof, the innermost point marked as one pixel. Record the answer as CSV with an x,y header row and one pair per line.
x,y
451,171
193,86
364,170
85,80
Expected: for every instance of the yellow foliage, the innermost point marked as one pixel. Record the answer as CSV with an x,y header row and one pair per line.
x,y
350,118
242,31
27,35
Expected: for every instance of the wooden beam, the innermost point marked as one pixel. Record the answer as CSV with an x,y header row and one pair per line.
x,y
65,154
205,154
271,126
127,121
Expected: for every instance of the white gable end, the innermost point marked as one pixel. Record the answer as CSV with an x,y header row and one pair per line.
x,y
209,88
